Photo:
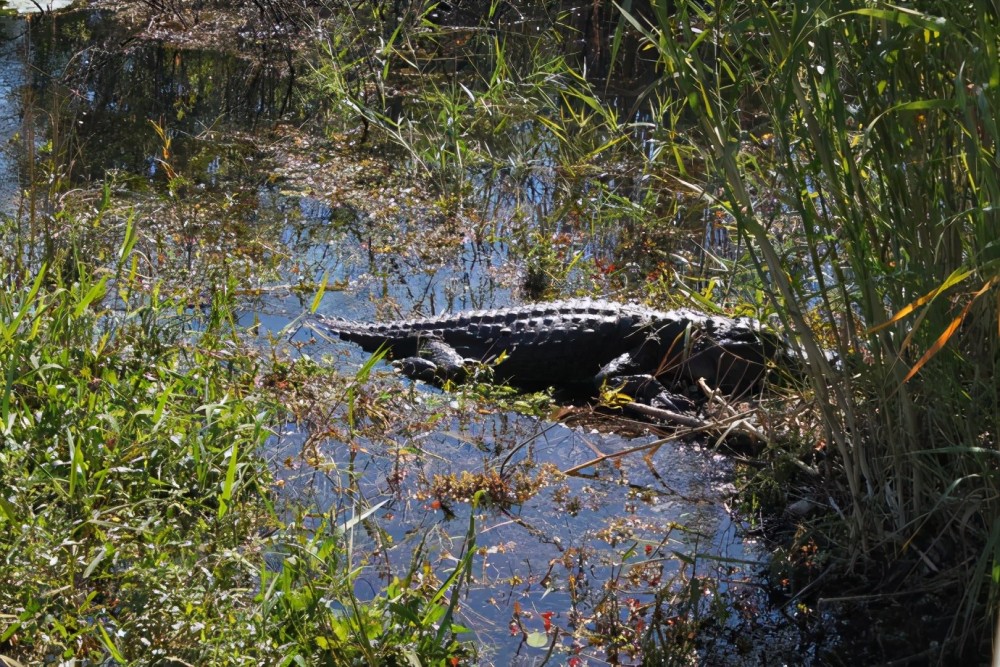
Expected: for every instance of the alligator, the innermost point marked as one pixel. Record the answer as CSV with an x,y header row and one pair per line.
x,y
579,344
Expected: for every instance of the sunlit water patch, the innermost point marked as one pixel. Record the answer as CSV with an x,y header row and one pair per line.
x,y
34,6
587,560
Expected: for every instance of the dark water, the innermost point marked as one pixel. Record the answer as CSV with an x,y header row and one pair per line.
x,y
585,549
600,552
11,80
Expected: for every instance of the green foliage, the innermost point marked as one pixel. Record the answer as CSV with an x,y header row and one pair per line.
x,y
879,156
134,497
311,600
128,474
487,102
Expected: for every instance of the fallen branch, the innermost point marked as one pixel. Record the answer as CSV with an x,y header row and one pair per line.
x,y
734,423
737,423
656,444
666,415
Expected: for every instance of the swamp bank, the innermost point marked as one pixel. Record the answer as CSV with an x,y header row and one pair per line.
x,y
190,473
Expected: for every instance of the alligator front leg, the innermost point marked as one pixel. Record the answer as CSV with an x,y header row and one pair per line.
x,y
647,389
436,362
630,373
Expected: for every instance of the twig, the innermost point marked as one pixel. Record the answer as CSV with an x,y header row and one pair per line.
x,y
736,422
667,415
696,425
625,452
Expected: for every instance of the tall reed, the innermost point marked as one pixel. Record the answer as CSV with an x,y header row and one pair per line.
x,y
880,158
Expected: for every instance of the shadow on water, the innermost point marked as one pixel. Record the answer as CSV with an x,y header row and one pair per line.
x,y
193,140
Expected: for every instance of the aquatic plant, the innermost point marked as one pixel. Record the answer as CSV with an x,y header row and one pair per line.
x,y
873,145
136,506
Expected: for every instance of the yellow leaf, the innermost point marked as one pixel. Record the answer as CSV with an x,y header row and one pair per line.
x,y
953,279
938,344
950,330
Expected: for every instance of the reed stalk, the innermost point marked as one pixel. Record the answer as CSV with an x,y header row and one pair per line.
x,y
880,158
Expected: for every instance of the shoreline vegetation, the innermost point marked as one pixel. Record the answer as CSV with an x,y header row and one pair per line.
x,y
829,167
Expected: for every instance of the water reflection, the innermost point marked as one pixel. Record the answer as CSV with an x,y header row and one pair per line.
x,y
100,88
12,44
578,549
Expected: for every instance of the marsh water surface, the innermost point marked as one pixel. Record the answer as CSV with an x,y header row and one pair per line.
x,y
235,188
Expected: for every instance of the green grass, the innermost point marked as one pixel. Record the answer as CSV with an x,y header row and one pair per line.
x,y
129,474
136,499
880,153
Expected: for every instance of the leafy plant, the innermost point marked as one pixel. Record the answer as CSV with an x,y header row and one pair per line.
x,y
879,156
311,598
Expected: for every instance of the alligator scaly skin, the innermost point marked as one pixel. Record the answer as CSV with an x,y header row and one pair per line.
x,y
577,343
